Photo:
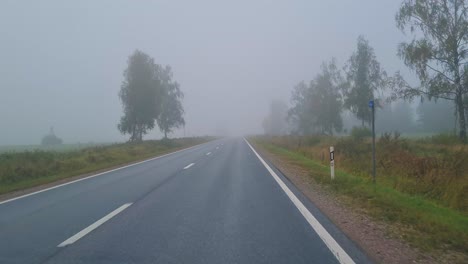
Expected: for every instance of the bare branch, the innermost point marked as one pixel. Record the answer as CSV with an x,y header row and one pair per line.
x,y
439,72
445,60
424,92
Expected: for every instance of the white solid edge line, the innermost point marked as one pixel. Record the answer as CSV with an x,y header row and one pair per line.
x,y
334,247
95,175
93,226
188,166
209,153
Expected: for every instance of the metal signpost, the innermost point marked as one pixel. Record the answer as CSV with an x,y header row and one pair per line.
x,y
372,106
332,162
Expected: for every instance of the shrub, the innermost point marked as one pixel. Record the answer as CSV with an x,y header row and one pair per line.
x,y
359,133
445,139
50,140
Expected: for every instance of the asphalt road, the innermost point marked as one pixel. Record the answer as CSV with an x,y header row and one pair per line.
x,y
213,203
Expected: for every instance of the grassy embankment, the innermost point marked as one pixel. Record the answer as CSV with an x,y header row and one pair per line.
x,y
59,148
20,170
422,185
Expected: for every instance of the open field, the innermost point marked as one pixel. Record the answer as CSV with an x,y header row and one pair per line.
x,y
24,169
421,188
60,148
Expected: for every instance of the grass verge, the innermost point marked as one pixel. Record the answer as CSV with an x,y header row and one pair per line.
x,y
417,220
21,170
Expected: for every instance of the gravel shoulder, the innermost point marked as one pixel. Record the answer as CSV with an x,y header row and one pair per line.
x,y
371,235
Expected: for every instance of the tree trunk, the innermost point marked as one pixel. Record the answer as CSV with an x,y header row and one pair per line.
x,y
461,116
137,133
132,138
465,108
466,115
140,136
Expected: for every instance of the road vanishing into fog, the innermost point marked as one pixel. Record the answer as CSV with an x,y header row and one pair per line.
x,y
218,202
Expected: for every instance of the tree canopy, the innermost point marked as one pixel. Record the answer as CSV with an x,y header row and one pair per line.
x,y
438,52
364,76
172,111
149,95
317,108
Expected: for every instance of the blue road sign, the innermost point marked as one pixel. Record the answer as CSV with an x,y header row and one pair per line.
x,y
371,103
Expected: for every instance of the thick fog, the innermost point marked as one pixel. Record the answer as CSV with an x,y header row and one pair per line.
x,y
61,62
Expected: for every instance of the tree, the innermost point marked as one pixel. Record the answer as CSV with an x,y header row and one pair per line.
x,y
439,56
139,94
317,108
395,116
172,111
51,139
299,114
327,99
364,77
436,116
275,123
404,117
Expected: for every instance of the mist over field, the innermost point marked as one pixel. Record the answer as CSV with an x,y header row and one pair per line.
x,y
62,62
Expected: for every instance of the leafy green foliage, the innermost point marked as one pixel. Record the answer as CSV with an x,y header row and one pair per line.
x,y
149,94
359,133
363,77
299,114
317,107
139,93
440,56
171,115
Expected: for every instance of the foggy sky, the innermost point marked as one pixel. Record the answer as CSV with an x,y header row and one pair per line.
x,y
61,62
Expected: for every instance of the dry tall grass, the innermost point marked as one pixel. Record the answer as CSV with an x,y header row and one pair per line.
x,y
435,171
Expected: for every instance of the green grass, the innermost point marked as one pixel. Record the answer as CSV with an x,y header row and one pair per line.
x,y
437,172
61,147
20,170
421,222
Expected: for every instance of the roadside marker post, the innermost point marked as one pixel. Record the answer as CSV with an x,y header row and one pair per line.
x,y
332,162
372,106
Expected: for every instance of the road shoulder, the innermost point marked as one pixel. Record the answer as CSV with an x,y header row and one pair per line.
x,y
371,235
